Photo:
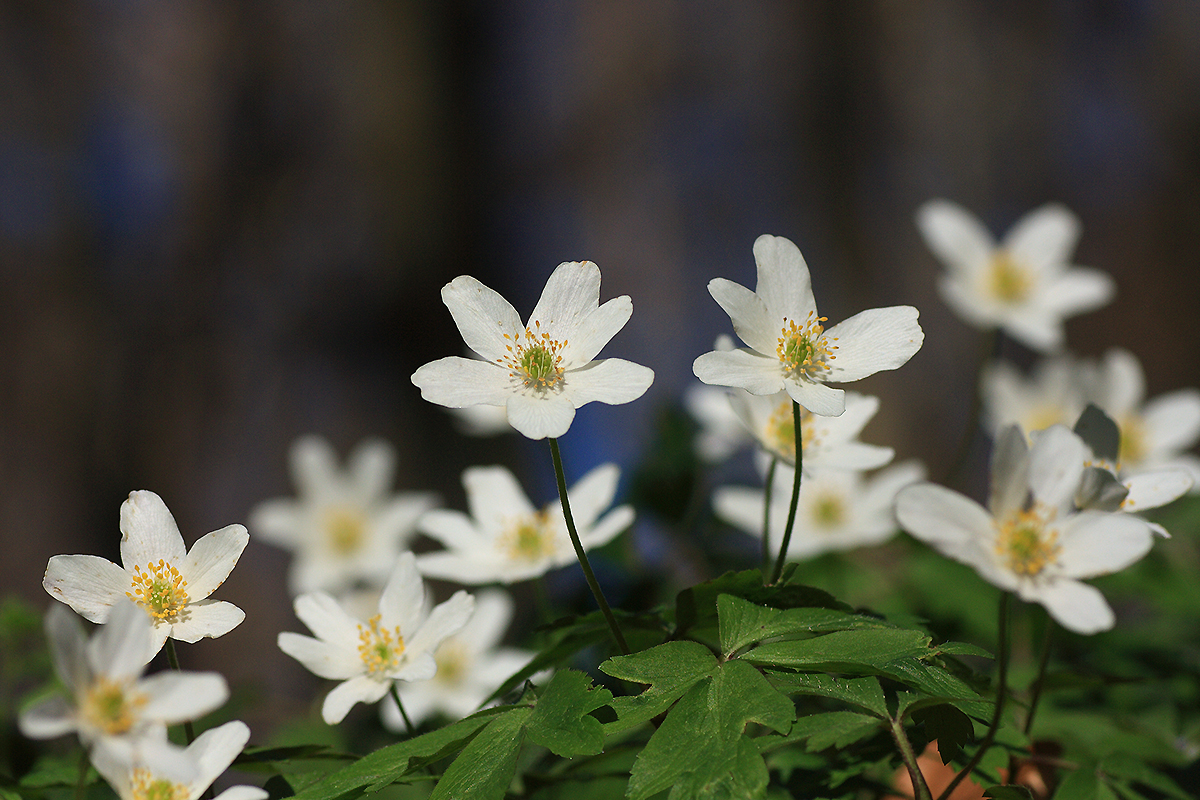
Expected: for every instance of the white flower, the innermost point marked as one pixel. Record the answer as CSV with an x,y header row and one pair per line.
x,y
721,433
506,539
1055,393
208,757
481,420
828,442
397,644
1026,285
170,582
836,510
118,713
1031,540
470,666
544,370
789,349
345,525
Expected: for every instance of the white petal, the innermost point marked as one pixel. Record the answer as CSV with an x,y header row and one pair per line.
x,y
955,236
68,647
1153,489
445,620
1010,472
360,689
1076,606
1172,421
320,658
279,522
214,750
1044,238
487,626
403,600
242,792
211,618
1124,383
860,409
742,508
417,667
456,382
784,282
816,397
483,317
938,515
1079,290
88,584
605,530
122,647
494,497
326,618
372,468
176,697
211,559
594,330
852,456
396,522
465,569
1056,464
593,493
611,380
742,369
149,532
314,466
873,340
1036,328
540,415
47,719
572,292
452,528
749,314
1097,543
966,302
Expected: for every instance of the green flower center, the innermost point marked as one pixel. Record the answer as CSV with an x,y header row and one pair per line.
x,y
1008,281
451,660
110,708
779,436
1026,544
346,528
534,359
161,590
829,511
1132,450
802,350
530,538
147,787
379,648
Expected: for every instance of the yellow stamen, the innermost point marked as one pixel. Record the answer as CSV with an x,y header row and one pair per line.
x,y
1008,281
534,358
379,648
779,434
530,538
111,707
161,590
1132,450
1025,543
802,350
147,787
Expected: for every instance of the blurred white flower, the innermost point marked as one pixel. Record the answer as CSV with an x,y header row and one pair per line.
x,y
396,644
506,539
1031,539
544,370
169,582
789,349
117,713
481,420
836,510
1054,393
209,756
1024,285
470,666
346,525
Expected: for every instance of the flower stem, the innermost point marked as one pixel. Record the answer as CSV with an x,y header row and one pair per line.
x,y
766,534
1001,691
81,783
188,731
791,519
1040,680
920,787
396,696
593,584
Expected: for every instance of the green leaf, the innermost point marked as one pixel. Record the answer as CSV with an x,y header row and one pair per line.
x,y
1140,772
485,767
862,692
1008,793
560,721
670,669
949,726
746,776
831,729
696,607
860,652
699,742
962,649
1082,784
743,623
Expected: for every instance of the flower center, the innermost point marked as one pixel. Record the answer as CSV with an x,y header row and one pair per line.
x,y
346,528
530,538
1132,450
147,787
802,350
779,436
161,590
534,358
829,511
1026,545
1008,281
379,648
110,708
451,660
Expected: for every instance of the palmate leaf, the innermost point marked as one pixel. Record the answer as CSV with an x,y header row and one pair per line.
x,y
866,693
696,607
670,669
486,765
743,623
830,729
851,651
949,726
560,721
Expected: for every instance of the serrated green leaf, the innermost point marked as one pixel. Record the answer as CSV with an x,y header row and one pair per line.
x,y
743,623
934,681
696,607
1008,793
561,720
862,692
670,669
855,651
485,767
949,726
832,729
746,777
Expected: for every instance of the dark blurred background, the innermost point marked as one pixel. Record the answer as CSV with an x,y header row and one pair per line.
x,y
224,225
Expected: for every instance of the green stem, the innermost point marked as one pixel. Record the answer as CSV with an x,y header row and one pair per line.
x,y
1001,692
400,705
593,584
920,787
81,783
1040,680
188,731
766,529
791,520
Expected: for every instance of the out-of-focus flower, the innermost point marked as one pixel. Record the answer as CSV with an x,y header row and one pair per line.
x,y
544,370
1024,285
506,539
789,349
209,756
1054,393
166,580
346,525
470,666
118,713
836,510
397,644
1031,539
721,433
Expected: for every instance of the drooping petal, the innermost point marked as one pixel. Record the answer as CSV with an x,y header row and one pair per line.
x,y
1076,606
816,397
445,620
1044,238
418,667
1036,328
540,416
243,793
1124,386
955,236
860,409
47,719
359,689
611,380
749,314
873,340
572,292
936,514
603,531
784,282
594,330
207,618
211,559
1097,543
372,468
742,369
456,382
121,648
851,456
320,658
88,584
403,600
487,625
483,317
149,532
174,697
1153,489
279,521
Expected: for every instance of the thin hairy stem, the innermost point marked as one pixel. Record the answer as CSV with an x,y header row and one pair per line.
x,y
920,787
593,584
766,529
791,519
1036,688
408,726
188,731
